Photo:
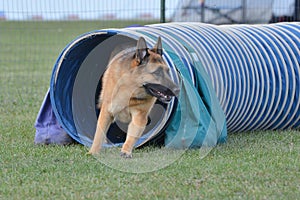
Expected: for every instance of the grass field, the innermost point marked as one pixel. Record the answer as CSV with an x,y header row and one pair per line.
x,y
252,165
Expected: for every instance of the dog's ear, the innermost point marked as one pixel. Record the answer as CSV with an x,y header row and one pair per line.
x,y
141,50
158,47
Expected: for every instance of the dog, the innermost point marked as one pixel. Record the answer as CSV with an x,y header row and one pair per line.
x,y
134,79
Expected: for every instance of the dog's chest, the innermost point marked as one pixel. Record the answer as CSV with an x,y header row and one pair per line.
x,y
120,112
123,112
123,116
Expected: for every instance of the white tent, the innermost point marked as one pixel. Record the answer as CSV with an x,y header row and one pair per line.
x,y
224,11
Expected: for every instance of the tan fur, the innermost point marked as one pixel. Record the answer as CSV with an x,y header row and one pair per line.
x,y
123,96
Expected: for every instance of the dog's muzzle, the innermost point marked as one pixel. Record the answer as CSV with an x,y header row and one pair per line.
x,y
161,92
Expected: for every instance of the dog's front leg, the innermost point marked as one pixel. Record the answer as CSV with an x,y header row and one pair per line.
x,y
103,123
135,130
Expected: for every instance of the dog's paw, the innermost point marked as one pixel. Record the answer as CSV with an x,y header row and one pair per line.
x,y
93,153
125,155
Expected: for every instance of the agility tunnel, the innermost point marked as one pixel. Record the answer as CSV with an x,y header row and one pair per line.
x,y
232,77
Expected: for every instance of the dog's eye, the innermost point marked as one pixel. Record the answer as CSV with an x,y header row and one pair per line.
x,y
159,72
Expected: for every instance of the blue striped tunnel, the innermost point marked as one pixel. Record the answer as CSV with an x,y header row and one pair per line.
x,y
254,71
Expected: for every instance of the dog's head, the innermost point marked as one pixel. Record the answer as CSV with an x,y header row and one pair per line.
x,y
153,72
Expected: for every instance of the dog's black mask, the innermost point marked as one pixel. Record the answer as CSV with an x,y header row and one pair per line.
x,y
161,92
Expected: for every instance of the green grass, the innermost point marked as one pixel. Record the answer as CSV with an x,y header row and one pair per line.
x,y
254,165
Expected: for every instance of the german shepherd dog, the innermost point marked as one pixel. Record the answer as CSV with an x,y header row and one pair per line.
x,y
134,79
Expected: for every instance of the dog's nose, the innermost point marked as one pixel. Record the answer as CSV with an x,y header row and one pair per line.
x,y
176,91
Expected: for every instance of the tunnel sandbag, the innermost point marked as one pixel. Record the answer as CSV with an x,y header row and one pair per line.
x,y
248,72
48,129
